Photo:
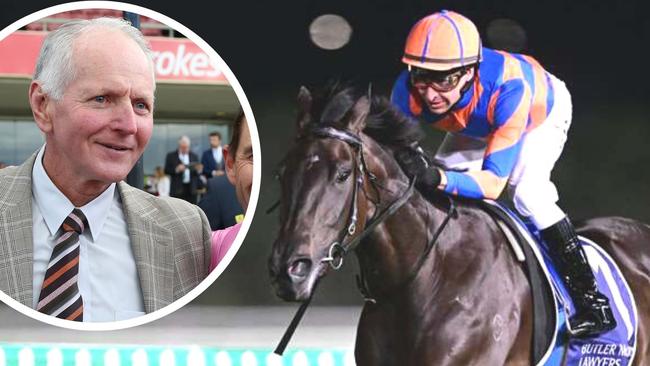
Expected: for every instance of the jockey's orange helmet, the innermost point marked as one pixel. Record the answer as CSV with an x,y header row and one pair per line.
x,y
443,41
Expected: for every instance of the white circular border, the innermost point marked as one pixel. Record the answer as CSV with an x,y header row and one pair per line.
x,y
257,166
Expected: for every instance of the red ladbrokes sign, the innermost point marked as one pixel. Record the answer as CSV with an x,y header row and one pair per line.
x,y
175,59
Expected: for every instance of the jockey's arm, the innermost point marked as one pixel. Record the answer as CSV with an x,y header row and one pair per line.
x,y
508,113
480,184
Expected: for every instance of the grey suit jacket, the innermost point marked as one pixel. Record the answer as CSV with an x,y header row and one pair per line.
x,y
170,240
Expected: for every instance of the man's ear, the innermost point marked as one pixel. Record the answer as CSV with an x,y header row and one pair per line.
x,y
230,163
41,105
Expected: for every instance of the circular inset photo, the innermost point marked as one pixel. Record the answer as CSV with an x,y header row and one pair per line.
x,y
129,165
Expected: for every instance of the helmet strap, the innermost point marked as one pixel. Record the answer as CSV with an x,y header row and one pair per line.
x,y
465,88
469,83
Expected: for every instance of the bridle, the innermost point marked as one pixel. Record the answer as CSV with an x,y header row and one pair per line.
x,y
339,248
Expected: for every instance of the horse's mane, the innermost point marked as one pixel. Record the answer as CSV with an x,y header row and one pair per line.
x,y
385,124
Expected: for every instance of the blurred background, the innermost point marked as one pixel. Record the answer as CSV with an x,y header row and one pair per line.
x,y
599,48
193,97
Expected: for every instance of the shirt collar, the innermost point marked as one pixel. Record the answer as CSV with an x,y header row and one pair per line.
x,y
55,206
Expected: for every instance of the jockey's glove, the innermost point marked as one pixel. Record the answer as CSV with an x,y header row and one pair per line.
x,y
415,166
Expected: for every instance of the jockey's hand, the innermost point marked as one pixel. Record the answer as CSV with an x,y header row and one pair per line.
x,y
414,165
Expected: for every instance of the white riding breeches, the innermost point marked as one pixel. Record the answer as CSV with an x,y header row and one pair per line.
x,y
529,186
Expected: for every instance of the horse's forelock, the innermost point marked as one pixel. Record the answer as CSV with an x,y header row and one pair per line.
x,y
388,126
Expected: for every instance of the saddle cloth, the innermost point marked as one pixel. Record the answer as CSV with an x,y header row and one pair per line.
x,y
552,344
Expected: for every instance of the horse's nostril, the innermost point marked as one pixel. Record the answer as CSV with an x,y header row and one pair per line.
x,y
300,268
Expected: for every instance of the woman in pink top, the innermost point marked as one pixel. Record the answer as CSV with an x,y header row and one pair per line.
x,y
239,169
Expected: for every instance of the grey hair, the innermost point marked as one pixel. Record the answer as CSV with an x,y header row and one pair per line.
x,y
54,66
184,139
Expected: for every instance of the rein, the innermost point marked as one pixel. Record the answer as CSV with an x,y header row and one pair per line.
x,y
338,249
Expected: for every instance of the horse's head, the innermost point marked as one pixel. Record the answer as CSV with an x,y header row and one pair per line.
x,y
318,180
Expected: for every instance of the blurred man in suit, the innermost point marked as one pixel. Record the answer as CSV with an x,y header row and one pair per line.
x,y
212,159
182,165
220,203
76,241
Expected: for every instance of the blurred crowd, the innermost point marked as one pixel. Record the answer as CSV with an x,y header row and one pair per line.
x,y
202,182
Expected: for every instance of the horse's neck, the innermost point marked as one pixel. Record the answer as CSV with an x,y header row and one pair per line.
x,y
390,255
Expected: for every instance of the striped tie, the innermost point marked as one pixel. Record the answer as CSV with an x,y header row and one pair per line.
x,y
60,295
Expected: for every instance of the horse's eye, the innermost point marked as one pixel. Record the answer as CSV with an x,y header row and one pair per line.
x,y
343,175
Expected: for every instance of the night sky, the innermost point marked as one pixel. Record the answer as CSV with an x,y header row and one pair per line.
x,y
267,42
599,48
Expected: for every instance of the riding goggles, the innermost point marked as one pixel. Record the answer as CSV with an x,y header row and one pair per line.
x,y
422,79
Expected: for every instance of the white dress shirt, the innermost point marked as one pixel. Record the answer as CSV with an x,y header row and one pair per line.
x,y
108,278
162,186
185,159
217,154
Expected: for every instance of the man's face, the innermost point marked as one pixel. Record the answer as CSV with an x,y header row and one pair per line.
x,y
183,147
102,124
239,166
215,141
440,100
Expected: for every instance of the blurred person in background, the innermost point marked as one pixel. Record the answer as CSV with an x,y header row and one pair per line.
x,y
78,243
2,165
220,203
239,169
183,166
212,159
161,182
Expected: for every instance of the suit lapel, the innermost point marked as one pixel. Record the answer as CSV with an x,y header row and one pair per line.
x,y
152,248
16,234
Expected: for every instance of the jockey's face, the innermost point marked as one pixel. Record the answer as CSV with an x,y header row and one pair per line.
x,y
440,94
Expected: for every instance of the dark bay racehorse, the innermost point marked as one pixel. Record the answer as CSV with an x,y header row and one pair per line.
x,y
464,301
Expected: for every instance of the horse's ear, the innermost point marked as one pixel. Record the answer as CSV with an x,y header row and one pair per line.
x,y
304,107
359,112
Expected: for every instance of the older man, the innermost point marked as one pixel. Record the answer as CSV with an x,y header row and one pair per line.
x,y
184,168
76,242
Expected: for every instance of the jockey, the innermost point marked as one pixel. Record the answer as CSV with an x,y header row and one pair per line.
x,y
506,120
